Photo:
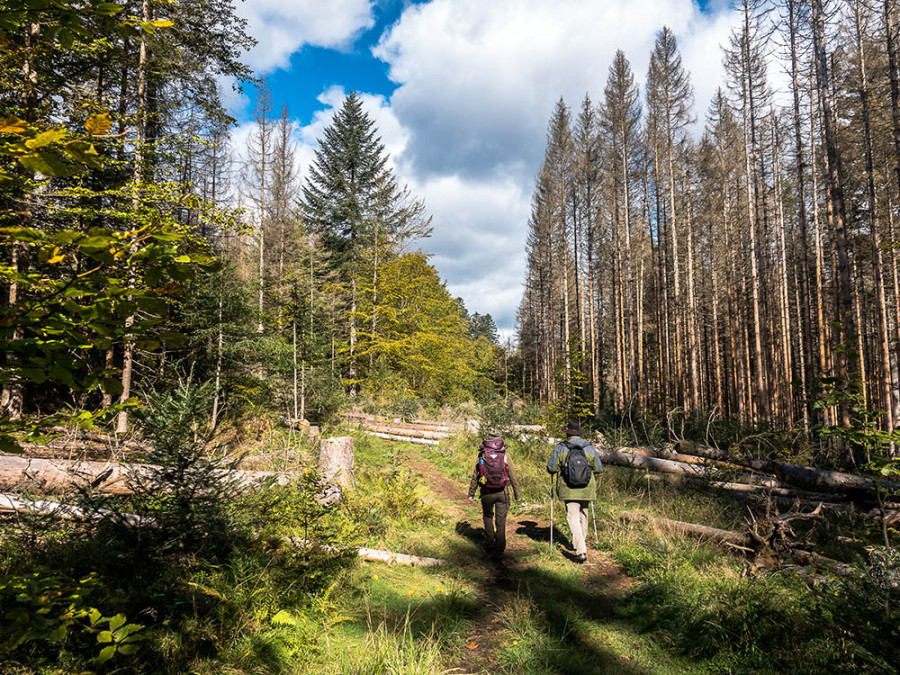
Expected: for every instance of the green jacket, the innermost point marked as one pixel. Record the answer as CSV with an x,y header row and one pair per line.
x,y
557,463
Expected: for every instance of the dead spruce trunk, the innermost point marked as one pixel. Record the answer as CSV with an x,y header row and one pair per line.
x,y
63,475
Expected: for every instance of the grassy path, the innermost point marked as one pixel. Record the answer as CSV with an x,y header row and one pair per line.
x,y
533,612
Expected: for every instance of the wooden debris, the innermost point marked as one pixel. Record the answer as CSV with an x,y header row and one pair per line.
x,y
376,555
700,531
43,476
15,504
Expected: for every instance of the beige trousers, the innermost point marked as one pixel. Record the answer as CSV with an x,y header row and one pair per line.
x,y
577,516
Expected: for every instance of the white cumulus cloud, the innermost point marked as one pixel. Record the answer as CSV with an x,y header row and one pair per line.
x,y
282,27
478,80
477,83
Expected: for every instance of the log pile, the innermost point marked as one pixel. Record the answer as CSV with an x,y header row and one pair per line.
x,y
71,443
424,432
419,432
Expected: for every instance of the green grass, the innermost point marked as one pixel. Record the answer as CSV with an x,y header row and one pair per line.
x,y
270,608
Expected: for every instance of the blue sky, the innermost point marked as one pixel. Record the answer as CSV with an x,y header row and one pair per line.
x,y
314,69
461,91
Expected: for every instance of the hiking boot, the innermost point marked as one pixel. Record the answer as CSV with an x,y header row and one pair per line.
x,y
581,557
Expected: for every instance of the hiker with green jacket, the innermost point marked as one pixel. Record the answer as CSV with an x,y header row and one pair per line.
x,y
576,461
493,476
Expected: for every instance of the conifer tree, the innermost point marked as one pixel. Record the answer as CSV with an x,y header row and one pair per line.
x,y
353,202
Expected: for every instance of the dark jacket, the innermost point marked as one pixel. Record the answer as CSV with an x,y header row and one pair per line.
x,y
557,463
496,443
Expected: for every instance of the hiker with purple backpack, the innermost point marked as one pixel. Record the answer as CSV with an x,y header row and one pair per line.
x,y
493,475
575,461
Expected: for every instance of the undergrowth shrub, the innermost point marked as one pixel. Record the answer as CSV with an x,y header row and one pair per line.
x,y
381,498
777,623
42,615
210,568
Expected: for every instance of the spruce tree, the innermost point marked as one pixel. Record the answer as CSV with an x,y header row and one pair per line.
x,y
354,204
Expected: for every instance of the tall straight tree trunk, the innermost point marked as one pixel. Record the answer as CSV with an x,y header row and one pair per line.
x,y
140,127
895,83
676,277
220,342
693,339
884,376
784,303
823,328
629,265
806,300
760,399
294,356
847,370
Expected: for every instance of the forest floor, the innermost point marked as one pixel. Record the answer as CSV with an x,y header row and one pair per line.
x,y
535,611
647,600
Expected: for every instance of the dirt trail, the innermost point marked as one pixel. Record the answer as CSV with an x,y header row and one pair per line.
x,y
601,575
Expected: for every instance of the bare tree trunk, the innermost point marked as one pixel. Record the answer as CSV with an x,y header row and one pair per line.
x,y
846,369
218,386
823,328
804,305
140,127
294,355
877,267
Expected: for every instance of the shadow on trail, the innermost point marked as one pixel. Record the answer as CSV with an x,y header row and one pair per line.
x,y
474,534
555,613
539,533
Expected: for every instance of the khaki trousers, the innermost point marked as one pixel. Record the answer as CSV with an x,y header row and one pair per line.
x,y
577,516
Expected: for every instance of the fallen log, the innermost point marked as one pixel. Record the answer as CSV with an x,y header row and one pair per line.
x,y
669,466
787,498
406,439
793,487
422,425
15,504
401,431
374,555
629,460
797,475
813,558
23,474
391,558
749,489
692,529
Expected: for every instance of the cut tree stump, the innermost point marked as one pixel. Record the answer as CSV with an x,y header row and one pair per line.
x,y
337,464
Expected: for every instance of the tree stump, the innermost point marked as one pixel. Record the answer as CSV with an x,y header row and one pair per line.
x,y
336,467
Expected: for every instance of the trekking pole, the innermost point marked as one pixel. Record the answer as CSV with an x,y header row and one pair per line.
x,y
551,513
594,517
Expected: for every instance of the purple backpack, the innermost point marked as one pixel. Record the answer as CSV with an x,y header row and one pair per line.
x,y
492,470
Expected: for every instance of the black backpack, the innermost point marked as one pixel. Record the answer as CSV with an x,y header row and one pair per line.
x,y
577,471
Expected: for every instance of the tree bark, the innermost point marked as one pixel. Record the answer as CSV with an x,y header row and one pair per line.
x,y
336,461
